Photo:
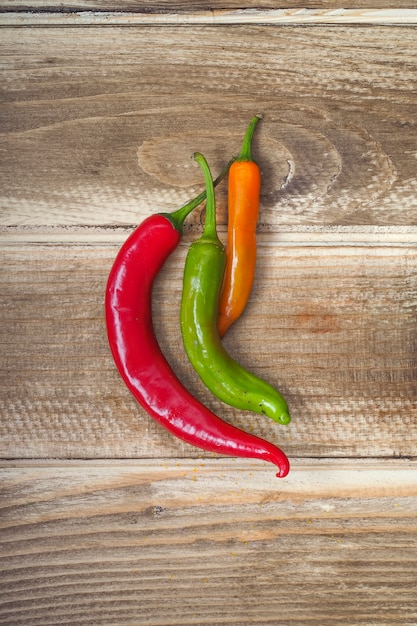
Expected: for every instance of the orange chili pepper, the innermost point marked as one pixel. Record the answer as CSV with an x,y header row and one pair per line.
x,y
244,188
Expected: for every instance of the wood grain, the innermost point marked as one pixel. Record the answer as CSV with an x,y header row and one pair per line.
x,y
187,7
99,140
212,542
211,17
332,327
97,126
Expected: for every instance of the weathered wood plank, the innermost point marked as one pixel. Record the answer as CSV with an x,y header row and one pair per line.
x,y
190,6
213,542
100,137
332,327
276,17
97,129
297,235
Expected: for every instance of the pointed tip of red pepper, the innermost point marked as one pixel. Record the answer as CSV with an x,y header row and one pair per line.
x,y
284,469
282,473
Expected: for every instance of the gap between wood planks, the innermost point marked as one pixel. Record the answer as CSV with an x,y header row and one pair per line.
x,y
273,17
331,236
222,463
323,470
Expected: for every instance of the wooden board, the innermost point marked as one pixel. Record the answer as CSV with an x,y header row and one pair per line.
x,y
104,517
186,8
99,140
209,16
332,327
212,542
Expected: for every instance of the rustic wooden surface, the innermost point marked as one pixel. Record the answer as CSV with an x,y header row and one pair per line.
x,y
343,352
212,542
105,518
188,8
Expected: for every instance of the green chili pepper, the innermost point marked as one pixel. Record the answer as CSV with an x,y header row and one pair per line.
x,y
203,276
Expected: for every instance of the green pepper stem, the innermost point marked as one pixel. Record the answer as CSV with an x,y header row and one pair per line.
x,y
210,230
245,153
178,217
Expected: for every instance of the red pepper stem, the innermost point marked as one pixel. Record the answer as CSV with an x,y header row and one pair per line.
x,y
177,218
210,229
245,153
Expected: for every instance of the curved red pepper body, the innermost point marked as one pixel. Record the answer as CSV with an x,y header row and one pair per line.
x,y
139,358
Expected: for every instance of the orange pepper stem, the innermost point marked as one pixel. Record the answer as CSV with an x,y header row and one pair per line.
x,y
245,153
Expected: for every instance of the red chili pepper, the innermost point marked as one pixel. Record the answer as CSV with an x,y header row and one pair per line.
x,y
139,358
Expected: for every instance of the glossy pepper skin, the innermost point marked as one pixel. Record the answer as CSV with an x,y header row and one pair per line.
x,y
203,276
139,359
244,188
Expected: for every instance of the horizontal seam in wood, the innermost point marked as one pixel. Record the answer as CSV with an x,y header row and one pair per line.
x,y
257,17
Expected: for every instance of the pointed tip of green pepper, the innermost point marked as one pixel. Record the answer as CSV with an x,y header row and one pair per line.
x,y
276,411
284,418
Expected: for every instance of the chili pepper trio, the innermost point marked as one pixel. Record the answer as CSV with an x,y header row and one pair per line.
x,y
217,284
